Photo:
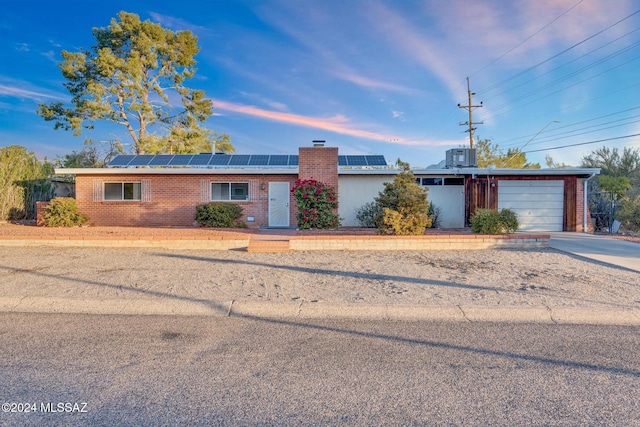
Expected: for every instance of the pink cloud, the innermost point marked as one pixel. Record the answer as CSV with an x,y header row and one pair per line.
x,y
338,124
335,124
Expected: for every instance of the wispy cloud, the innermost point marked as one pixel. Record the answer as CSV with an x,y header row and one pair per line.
x,y
16,92
333,124
176,24
275,105
406,37
398,115
338,124
374,84
51,56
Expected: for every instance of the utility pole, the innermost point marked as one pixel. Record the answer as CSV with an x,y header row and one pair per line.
x,y
470,108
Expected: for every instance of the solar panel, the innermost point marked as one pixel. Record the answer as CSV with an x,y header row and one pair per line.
x,y
376,161
342,160
200,159
278,160
181,160
239,160
356,161
161,160
220,160
293,160
141,160
121,160
259,160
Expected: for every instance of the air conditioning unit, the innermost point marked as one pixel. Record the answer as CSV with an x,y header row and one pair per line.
x,y
462,158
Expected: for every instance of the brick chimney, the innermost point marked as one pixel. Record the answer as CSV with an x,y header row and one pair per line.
x,y
319,163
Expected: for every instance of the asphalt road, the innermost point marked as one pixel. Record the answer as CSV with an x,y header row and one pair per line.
x,y
163,370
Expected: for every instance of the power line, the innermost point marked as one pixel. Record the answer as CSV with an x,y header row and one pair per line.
x,y
581,143
527,39
585,68
560,53
501,109
575,124
549,139
573,133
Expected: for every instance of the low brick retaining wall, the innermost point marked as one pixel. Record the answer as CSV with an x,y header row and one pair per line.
x,y
434,242
136,242
296,243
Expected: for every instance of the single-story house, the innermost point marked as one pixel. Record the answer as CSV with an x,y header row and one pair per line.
x,y
163,190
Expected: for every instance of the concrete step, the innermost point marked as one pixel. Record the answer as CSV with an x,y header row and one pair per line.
x,y
268,246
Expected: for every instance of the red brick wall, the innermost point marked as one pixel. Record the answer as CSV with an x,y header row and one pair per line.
x,y
40,210
172,199
580,209
319,163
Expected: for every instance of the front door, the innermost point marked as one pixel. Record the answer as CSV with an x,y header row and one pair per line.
x,y
278,204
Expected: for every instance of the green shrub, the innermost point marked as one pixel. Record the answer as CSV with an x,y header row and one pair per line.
x,y
409,202
509,220
628,212
63,212
405,223
220,215
487,221
433,212
368,214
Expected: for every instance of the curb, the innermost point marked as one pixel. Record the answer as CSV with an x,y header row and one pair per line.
x,y
306,310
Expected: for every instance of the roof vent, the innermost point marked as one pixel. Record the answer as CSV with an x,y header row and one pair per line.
x,y
318,142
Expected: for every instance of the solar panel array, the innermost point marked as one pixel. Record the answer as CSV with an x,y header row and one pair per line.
x,y
362,161
207,160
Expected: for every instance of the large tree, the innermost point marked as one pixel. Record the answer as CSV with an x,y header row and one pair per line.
x,y
619,175
614,164
491,154
23,181
134,76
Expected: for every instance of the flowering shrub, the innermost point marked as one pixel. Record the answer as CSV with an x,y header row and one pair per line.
x,y
316,204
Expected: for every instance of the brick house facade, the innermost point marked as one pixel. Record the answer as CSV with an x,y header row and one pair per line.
x,y
168,196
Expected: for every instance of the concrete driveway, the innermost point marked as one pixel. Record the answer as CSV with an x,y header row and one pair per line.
x,y
604,249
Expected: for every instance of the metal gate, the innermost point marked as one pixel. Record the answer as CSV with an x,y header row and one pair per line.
x,y
602,207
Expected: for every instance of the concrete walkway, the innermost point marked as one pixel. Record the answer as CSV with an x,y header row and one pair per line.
x,y
599,248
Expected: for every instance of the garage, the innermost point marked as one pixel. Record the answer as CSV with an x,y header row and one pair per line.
x,y
538,203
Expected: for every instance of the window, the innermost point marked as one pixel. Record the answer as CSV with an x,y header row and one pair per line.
x,y
122,191
431,181
454,181
229,191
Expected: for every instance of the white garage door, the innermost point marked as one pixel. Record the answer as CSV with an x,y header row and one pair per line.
x,y
539,204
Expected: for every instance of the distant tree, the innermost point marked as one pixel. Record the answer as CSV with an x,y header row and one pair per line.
x,y
619,176
93,155
613,164
185,141
553,164
23,181
127,78
491,154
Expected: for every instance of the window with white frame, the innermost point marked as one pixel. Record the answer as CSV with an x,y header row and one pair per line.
x,y
114,191
229,191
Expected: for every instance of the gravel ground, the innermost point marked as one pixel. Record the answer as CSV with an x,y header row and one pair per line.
x,y
542,277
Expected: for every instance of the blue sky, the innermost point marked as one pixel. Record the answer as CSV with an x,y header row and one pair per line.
x,y
370,77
